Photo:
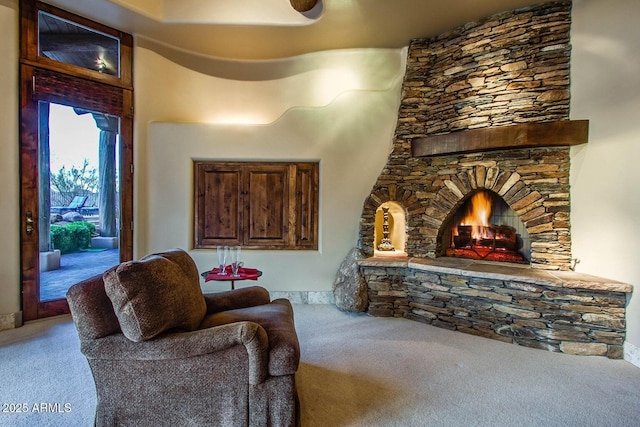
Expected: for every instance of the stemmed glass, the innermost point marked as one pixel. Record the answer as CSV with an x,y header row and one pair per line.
x,y
223,254
235,260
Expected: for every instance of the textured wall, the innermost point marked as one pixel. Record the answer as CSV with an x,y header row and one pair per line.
x,y
298,114
9,170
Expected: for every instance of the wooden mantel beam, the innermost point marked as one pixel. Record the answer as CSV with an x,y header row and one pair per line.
x,y
545,134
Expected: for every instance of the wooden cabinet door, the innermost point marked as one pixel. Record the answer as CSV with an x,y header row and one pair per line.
x,y
267,205
304,208
219,213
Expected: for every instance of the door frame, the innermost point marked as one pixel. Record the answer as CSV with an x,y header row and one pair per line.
x,y
42,79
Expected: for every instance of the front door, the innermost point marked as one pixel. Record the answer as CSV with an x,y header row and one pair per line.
x,y
71,165
76,155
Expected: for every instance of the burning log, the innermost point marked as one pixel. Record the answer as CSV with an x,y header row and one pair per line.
x,y
464,237
487,254
495,243
475,238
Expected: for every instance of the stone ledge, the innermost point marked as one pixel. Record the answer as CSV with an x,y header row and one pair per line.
x,y
500,271
562,312
304,297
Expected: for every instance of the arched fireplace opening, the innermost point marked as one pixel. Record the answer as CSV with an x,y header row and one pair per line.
x,y
484,227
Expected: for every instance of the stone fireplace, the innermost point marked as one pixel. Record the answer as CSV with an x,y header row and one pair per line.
x,y
485,110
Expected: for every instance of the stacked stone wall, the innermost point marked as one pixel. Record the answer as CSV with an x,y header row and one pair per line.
x,y
510,68
574,318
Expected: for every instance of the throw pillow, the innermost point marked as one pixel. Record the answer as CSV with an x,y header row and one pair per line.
x,y
155,294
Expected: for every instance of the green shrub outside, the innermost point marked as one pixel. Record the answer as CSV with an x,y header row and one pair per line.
x,y
72,237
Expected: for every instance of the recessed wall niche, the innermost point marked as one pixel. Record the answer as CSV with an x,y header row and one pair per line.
x,y
390,230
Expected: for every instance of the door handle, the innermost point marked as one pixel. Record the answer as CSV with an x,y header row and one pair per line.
x,y
29,223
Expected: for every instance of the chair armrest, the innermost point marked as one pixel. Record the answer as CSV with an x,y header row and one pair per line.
x,y
181,345
237,298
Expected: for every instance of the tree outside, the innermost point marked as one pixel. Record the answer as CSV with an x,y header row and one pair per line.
x,y
75,181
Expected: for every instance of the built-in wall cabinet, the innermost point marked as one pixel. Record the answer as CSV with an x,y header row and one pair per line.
x,y
257,205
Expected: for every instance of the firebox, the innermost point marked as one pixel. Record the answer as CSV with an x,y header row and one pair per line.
x,y
484,227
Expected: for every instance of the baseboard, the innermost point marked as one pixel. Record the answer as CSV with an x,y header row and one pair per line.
x,y
305,297
10,320
632,354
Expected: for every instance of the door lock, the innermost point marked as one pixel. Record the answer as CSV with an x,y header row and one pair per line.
x,y
29,223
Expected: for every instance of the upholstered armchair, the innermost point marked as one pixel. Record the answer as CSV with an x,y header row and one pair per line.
x,y
162,353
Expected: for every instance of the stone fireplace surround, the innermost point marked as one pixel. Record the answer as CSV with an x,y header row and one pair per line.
x,y
510,69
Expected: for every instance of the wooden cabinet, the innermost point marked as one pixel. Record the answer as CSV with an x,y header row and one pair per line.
x,y
267,205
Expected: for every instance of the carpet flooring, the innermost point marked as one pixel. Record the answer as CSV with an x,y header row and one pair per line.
x,y
358,370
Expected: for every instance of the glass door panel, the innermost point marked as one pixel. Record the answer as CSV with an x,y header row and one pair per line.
x,y
71,43
78,196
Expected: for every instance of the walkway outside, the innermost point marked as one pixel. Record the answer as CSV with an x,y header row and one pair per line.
x,y
74,268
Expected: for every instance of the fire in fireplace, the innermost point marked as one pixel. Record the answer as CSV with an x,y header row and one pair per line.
x,y
473,231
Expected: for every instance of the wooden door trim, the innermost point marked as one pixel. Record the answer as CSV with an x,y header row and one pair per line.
x,y
29,240
80,88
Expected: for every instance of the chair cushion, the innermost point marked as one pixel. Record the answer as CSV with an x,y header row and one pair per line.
x,y
158,293
277,319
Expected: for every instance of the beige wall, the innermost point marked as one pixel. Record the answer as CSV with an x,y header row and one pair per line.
x,y
334,110
605,173
306,110
9,188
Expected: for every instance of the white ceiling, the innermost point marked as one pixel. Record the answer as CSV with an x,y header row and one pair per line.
x,y
268,29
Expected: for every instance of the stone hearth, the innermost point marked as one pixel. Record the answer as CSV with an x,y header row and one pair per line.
x,y
558,311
